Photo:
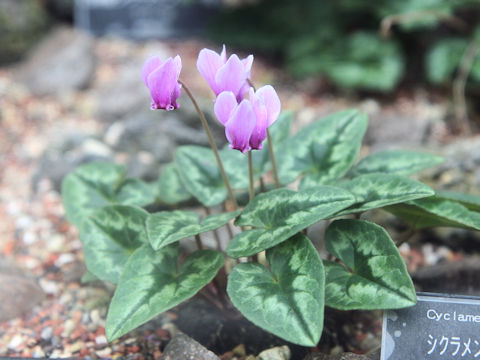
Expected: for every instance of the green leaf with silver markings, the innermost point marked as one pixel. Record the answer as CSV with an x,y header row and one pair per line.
x,y
324,150
154,282
470,201
171,188
167,227
374,275
288,298
199,173
97,184
279,214
435,211
377,190
109,236
398,162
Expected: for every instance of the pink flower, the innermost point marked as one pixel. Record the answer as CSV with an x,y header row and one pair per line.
x,y
161,78
246,123
225,75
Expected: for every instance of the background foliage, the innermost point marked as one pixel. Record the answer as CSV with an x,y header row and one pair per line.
x,y
358,44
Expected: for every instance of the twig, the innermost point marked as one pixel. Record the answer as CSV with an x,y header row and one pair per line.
x,y
390,20
460,82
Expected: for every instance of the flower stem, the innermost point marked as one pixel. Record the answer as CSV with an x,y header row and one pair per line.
x,y
272,159
251,189
212,144
199,242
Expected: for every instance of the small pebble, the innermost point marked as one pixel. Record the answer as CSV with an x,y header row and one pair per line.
x,y
68,328
15,342
101,340
47,333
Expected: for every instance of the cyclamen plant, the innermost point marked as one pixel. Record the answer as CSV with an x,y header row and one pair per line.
x,y
284,291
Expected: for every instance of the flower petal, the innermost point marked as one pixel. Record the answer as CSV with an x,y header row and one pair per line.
x,y
231,76
247,63
259,132
223,54
240,126
177,61
208,63
152,63
224,105
163,85
272,102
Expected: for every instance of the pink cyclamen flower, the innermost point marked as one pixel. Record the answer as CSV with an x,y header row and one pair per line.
x,y
161,78
225,75
246,123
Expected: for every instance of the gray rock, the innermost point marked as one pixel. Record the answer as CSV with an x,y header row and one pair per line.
x,y
19,294
344,356
65,154
22,24
182,347
457,277
63,62
394,131
124,95
276,353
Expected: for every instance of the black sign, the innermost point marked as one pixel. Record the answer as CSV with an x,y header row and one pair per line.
x,y
439,327
144,19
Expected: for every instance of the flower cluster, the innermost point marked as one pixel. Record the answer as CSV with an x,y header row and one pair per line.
x,y
245,113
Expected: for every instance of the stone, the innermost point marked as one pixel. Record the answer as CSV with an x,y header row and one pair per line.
x,y
67,152
22,24
276,353
453,277
124,95
20,293
182,347
344,356
63,62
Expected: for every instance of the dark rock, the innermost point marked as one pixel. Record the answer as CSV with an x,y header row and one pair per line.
x,y
344,356
19,292
182,347
456,277
61,9
221,331
64,61
22,24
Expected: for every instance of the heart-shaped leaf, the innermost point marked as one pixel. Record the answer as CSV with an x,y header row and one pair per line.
x,y
97,184
375,276
279,214
377,190
171,188
153,282
434,211
109,236
324,150
286,300
167,227
398,162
